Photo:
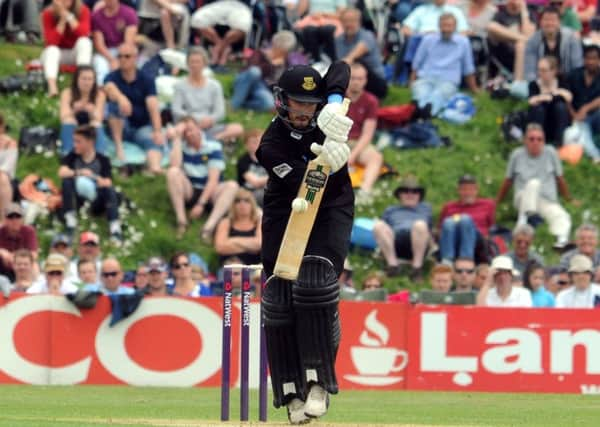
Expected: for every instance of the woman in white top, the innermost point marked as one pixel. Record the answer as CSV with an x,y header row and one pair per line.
x,y
583,293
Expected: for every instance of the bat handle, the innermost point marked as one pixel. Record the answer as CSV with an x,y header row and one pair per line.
x,y
345,106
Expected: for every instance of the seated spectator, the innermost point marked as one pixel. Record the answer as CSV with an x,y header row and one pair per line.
x,y
522,254
21,17
363,111
239,234
568,16
465,223
583,293
552,40
498,289
479,14
82,104
194,180
318,27
8,165
536,171
549,101
141,277
464,274
66,26
373,280
134,113
252,86
508,34
87,273
174,17
404,230
111,277
61,244
201,278
586,11
586,242
584,84
251,174
202,98
356,44
481,273
113,24
557,279
533,279
87,176
441,278
233,14
54,281
426,17
14,235
88,249
439,64
184,284
25,273
157,277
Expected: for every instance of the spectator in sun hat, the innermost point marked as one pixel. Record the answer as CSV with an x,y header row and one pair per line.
x,y
88,249
14,235
54,281
583,293
498,289
404,230
465,223
157,277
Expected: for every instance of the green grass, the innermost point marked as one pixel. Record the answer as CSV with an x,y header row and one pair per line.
x,y
477,148
120,406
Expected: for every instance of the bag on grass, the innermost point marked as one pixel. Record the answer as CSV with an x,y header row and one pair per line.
x,y
37,139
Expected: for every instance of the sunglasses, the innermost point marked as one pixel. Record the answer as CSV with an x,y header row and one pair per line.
x,y
465,270
14,216
182,265
410,190
90,244
125,55
535,138
241,199
110,273
563,282
54,273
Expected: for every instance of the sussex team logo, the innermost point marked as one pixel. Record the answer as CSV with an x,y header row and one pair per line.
x,y
309,83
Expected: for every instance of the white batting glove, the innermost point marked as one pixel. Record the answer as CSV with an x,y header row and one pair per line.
x,y
333,123
331,153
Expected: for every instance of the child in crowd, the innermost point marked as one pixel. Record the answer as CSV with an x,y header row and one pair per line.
x,y
533,279
87,273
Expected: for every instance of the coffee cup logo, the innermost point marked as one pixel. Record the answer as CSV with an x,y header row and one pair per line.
x,y
373,359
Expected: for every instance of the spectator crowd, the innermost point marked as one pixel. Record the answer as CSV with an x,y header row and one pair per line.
x,y
143,78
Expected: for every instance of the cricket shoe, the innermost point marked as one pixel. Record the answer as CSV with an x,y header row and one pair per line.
x,y
295,410
317,402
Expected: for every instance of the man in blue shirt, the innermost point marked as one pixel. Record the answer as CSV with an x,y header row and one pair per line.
x,y
359,45
404,230
134,113
441,60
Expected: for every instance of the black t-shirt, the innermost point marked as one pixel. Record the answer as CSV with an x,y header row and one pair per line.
x,y
534,88
246,164
507,19
99,166
582,94
285,155
555,52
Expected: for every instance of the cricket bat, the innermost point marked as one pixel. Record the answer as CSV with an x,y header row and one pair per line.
x,y
300,224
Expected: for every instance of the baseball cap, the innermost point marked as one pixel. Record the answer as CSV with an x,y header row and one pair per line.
x,y
14,208
302,83
580,264
157,264
60,238
89,237
55,262
467,179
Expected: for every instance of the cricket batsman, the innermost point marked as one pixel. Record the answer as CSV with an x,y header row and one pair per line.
x,y
300,317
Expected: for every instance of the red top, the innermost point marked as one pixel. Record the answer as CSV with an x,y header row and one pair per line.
x,y
67,39
24,239
360,110
482,212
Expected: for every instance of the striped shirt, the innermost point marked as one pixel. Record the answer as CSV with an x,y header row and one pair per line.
x,y
196,163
